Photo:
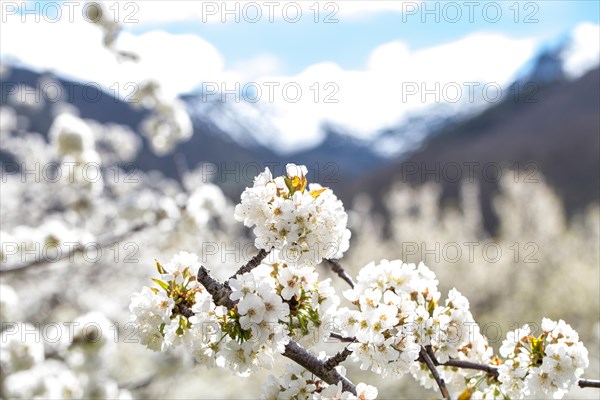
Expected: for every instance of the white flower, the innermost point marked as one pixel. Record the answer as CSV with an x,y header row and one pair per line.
x,y
275,308
94,329
252,309
168,125
457,300
293,170
243,358
366,392
150,310
295,383
332,392
548,325
178,264
241,286
348,321
512,338
263,178
150,305
291,283
512,373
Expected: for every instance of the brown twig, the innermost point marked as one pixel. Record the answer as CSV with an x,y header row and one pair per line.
x,y
589,383
342,338
424,357
491,370
184,310
339,358
339,270
253,263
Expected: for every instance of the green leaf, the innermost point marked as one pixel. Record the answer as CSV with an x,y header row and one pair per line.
x,y
160,268
289,184
161,284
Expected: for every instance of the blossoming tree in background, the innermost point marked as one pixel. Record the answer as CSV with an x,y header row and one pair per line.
x,y
69,199
395,324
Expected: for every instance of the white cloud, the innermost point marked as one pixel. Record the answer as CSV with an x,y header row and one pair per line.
x,y
74,49
378,96
178,62
583,53
258,66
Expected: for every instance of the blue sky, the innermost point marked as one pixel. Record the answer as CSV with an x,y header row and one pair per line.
x,y
349,41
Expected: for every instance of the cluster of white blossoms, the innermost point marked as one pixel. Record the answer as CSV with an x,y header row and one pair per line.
x,y
397,322
258,317
547,365
273,302
74,145
396,312
78,367
73,139
168,123
311,304
307,223
182,312
297,383
452,333
399,313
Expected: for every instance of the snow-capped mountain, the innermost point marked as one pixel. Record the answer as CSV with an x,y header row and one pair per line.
x,y
565,57
230,134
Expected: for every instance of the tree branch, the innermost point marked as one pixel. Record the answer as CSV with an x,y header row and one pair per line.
x,y
493,371
184,310
253,263
310,362
490,370
424,357
102,244
339,358
220,294
338,269
588,383
342,338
